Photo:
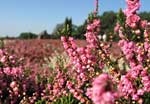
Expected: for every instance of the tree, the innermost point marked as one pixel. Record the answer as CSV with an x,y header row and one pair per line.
x,y
108,21
66,28
145,15
27,35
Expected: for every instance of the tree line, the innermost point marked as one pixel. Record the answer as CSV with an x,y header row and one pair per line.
x,y
108,21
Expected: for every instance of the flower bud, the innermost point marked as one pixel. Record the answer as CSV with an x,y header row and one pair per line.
x,y
137,32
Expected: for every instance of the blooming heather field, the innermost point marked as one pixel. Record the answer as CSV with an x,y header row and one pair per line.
x,y
80,71
35,50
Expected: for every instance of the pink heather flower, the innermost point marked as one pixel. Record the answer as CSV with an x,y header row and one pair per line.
x,y
133,25
81,50
16,71
101,65
135,97
70,50
140,92
146,46
143,24
65,44
132,63
121,34
69,84
73,44
133,6
90,27
139,50
138,32
83,58
140,101
125,86
11,57
49,86
108,98
91,34
71,39
102,91
132,19
15,89
117,27
1,52
146,34
7,71
13,84
128,82
135,71
89,92
96,22
3,59
121,43
143,72
63,39
139,58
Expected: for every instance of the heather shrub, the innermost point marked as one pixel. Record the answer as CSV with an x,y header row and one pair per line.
x,y
15,84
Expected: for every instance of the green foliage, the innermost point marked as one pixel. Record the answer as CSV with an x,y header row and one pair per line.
x,y
40,102
1,43
146,98
66,28
145,15
81,30
57,59
121,18
91,17
108,21
66,100
27,35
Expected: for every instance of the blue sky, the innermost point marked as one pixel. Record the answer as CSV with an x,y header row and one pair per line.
x,y
18,16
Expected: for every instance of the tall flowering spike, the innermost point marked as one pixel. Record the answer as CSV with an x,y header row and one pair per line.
x,y
96,7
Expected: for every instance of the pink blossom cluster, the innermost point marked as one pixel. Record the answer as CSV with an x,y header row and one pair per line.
x,y
142,52
92,32
132,18
15,84
117,27
82,57
77,92
9,64
103,91
146,47
10,70
135,83
128,49
133,6
83,62
130,12
131,49
56,87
